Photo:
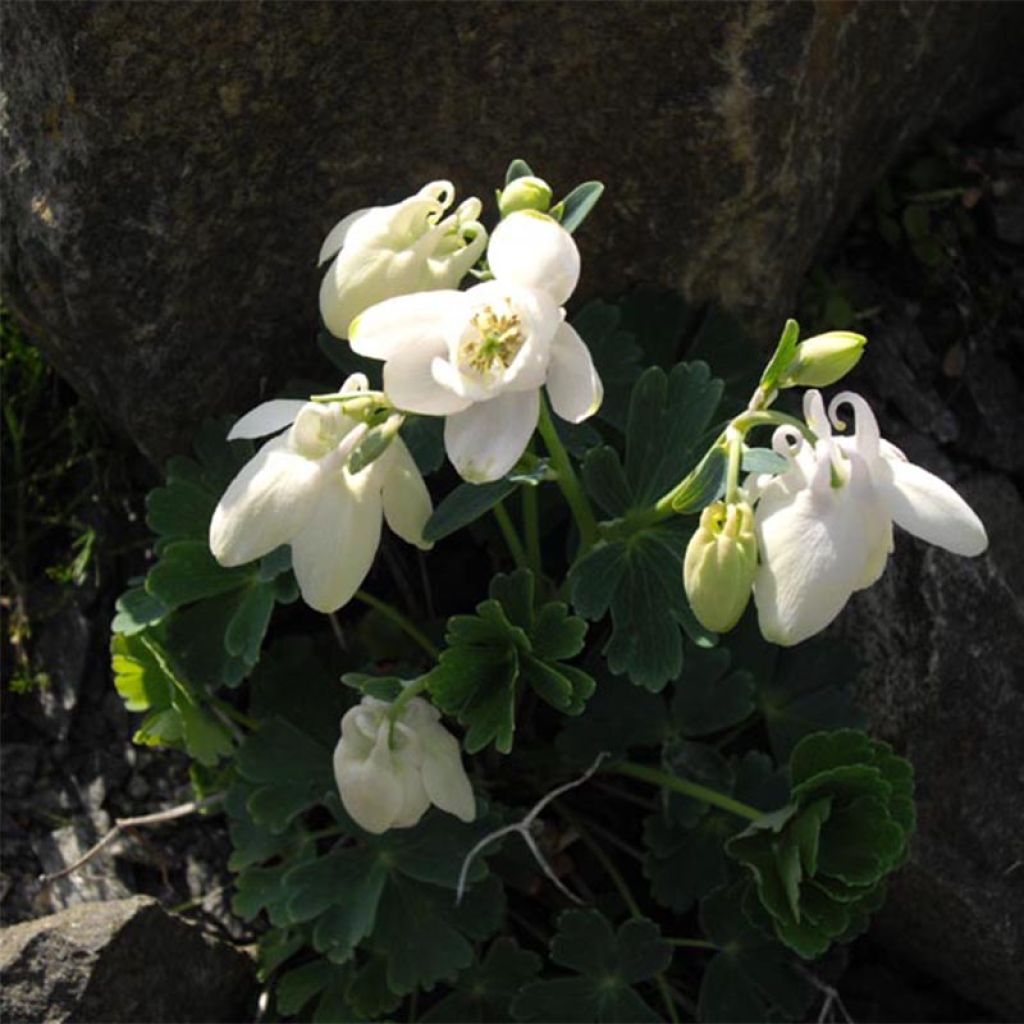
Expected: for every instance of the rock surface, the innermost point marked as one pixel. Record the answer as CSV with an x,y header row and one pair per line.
x,y
172,168
123,960
942,638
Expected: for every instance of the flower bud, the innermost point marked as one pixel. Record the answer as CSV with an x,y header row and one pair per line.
x,y
823,360
720,563
389,772
525,194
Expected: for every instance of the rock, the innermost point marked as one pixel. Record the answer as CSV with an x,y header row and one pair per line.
x,y
96,881
173,168
124,960
943,640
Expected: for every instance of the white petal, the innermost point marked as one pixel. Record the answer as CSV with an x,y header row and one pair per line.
x,y
533,250
929,508
410,383
485,441
814,414
336,236
406,322
814,546
444,778
356,280
268,418
573,383
265,506
408,756
369,788
407,504
333,552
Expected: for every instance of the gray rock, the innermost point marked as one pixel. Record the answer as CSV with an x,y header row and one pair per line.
x,y
96,881
171,169
126,960
943,639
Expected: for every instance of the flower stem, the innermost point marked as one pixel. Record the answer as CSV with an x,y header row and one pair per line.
x,y
508,531
662,508
692,943
403,623
416,687
567,479
658,777
233,713
531,523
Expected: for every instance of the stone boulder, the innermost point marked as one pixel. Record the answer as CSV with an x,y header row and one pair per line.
x,y
123,960
942,640
170,169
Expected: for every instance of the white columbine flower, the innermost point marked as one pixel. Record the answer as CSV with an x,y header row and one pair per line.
x,y
388,774
480,357
386,251
298,490
824,526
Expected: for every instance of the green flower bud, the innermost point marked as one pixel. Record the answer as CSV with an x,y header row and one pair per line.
x,y
823,360
525,194
720,562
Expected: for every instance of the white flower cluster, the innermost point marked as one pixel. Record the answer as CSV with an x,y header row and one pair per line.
x,y
822,529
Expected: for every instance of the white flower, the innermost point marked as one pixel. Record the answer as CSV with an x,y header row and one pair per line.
x,y
298,490
824,526
480,357
386,251
388,774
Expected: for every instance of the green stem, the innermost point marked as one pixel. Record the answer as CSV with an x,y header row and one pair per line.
x,y
662,508
417,686
407,627
734,448
508,531
658,777
531,523
692,943
233,713
567,479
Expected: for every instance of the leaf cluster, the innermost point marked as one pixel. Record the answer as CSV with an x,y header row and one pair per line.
x,y
510,644
819,865
192,626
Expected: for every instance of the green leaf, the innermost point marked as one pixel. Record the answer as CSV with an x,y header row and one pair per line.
x,y
485,991
518,169
248,626
292,682
381,687
349,883
137,609
609,964
659,318
784,354
298,986
578,204
476,684
145,680
708,697
181,510
506,643
615,354
721,342
418,934
292,773
464,505
424,437
640,581
752,978
619,719
187,572
800,690
684,864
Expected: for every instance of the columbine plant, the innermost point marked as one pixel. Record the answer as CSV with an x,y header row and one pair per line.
x,y
379,869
